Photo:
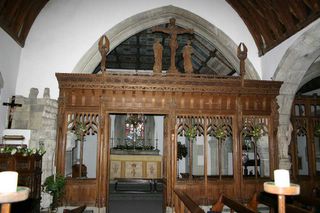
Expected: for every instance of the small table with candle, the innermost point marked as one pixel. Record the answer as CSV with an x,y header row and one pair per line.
x,y
9,192
281,187
6,199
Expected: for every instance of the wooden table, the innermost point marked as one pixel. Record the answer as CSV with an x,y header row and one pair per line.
x,y
293,189
6,199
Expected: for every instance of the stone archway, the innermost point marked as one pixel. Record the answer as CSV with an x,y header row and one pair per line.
x,y
291,70
157,16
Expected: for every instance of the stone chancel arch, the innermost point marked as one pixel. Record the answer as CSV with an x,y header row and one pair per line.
x,y
184,18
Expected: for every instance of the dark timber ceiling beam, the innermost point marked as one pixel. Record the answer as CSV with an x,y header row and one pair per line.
x,y
17,17
272,21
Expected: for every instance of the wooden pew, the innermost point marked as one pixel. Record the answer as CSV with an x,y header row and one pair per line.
x,y
79,209
232,204
272,202
253,203
183,203
309,202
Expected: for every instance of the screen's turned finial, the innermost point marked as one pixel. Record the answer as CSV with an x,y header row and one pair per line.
x,y
104,46
242,55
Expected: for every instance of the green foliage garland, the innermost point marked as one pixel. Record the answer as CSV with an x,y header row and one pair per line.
x,y
191,133
21,150
80,129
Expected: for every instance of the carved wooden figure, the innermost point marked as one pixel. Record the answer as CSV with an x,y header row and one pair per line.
x,y
157,49
187,60
173,31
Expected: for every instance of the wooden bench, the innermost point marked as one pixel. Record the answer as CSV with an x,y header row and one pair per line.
x,y
232,204
75,210
183,203
272,202
308,202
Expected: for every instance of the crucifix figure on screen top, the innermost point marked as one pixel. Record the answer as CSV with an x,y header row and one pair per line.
x,y
173,31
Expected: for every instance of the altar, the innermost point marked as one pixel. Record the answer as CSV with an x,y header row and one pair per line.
x,y
135,166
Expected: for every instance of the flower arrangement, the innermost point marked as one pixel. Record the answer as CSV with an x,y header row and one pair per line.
x,y
22,150
256,131
80,129
221,132
191,133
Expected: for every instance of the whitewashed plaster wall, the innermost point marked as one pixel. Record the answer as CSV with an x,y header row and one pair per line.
x,y
65,30
9,65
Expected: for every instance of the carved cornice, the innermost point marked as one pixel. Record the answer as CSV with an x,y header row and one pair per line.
x,y
167,83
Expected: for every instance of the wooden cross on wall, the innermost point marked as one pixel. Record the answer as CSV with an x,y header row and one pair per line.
x,y
12,105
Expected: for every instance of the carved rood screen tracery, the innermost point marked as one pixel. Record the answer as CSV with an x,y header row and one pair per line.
x,y
204,146
81,145
90,121
255,147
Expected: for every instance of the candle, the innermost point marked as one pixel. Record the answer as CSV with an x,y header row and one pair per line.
x,y
55,172
281,178
8,181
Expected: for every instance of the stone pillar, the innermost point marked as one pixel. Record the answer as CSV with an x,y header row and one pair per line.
x,y
284,131
40,116
263,151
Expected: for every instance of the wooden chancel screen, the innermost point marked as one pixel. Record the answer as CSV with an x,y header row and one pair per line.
x,y
305,142
210,128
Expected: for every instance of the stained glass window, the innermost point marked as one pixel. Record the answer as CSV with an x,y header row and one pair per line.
x,y
134,130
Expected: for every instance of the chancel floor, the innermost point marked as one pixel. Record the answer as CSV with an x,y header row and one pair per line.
x,y
135,198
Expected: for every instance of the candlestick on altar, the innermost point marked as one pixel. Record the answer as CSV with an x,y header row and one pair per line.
x,y
281,187
156,144
112,137
54,168
156,141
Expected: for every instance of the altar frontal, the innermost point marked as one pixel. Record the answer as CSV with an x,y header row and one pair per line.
x,y
135,166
